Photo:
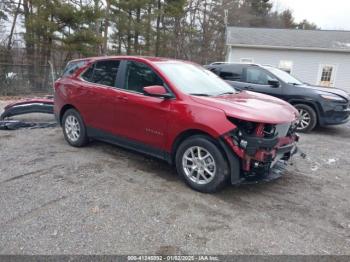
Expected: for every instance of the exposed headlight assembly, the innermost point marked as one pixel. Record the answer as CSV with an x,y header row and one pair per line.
x,y
332,97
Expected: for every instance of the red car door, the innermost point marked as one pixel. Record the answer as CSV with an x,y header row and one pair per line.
x,y
146,118
100,96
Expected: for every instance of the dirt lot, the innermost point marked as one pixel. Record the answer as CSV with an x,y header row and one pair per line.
x,y
101,199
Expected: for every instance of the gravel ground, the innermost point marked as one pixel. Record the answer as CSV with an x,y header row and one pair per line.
x,y
55,199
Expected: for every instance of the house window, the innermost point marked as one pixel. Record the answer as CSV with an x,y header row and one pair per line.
x,y
326,75
286,66
247,60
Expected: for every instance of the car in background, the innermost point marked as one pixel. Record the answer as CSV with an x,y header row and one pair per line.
x,y
179,112
316,105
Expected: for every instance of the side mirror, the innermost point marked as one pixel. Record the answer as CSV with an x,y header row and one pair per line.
x,y
157,91
274,83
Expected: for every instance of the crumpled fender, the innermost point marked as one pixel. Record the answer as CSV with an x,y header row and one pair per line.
x,y
26,106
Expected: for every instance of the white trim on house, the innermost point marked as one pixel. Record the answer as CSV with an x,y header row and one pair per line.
x,y
290,48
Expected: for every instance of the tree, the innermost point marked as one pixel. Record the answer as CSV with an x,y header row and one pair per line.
x,y
306,25
185,29
287,19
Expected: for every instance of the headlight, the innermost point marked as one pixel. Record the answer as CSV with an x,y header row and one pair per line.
x,y
332,97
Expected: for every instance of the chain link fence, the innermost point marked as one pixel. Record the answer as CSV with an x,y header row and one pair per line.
x,y
21,74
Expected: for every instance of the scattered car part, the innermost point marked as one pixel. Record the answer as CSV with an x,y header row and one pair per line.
x,y
26,106
16,124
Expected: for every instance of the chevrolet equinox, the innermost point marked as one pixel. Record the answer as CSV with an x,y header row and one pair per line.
x,y
179,112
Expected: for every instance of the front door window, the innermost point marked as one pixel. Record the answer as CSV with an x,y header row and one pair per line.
x,y
257,76
139,75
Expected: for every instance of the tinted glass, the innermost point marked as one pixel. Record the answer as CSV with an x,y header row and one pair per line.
x,y
257,76
72,67
194,79
285,77
231,72
139,75
88,74
103,73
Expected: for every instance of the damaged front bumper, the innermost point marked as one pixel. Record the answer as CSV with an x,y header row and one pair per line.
x,y
259,158
26,106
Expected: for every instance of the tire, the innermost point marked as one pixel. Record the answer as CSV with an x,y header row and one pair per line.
x,y
72,121
208,175
308,115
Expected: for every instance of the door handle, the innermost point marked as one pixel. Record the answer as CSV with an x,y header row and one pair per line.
x,y
123,98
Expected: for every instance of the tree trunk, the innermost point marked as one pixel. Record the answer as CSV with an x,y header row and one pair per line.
x,y
136,37
97,27
105,40
29,41
128,48
148,29
158,27
204,36
13,25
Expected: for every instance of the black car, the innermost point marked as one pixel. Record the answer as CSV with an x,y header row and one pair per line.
x,y
317,105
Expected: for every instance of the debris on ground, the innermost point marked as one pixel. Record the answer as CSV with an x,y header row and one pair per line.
x,y
16,124
27,106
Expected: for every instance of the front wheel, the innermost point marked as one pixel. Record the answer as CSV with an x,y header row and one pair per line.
x,y
202,165
307,118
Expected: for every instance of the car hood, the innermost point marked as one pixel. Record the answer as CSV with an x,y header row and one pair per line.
x,y
331,90
253,107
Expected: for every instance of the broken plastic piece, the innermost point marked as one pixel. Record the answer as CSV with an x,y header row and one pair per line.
x,y
15,124
35,105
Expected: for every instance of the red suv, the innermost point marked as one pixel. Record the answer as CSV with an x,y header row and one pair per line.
x,y
179,112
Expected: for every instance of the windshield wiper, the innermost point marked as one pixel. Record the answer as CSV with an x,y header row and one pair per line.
x,y
294,84
199,94
226,93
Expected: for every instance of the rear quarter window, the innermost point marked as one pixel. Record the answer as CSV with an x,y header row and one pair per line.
x,y
72,67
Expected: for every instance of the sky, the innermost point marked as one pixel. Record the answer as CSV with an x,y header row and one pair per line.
x,y
331,15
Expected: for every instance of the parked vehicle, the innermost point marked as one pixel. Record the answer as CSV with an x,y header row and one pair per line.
x,y
179,112
316,105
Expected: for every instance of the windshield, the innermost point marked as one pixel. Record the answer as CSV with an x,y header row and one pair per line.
x,y
284,76
195,80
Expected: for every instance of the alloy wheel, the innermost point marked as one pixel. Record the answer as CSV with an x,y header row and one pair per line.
x,y
72,128
199,165
304,119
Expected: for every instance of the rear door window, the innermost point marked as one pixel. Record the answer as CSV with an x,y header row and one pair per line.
x,y
231,72
102,73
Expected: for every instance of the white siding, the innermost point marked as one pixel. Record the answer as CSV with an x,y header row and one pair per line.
x,y
306,64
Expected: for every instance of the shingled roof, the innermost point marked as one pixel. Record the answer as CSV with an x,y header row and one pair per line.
x,y
338,41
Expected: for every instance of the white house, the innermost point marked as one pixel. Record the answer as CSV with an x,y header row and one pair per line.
x,y
318,57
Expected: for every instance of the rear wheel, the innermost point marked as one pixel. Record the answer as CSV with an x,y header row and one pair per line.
x,y
202,165
74,129
307,118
